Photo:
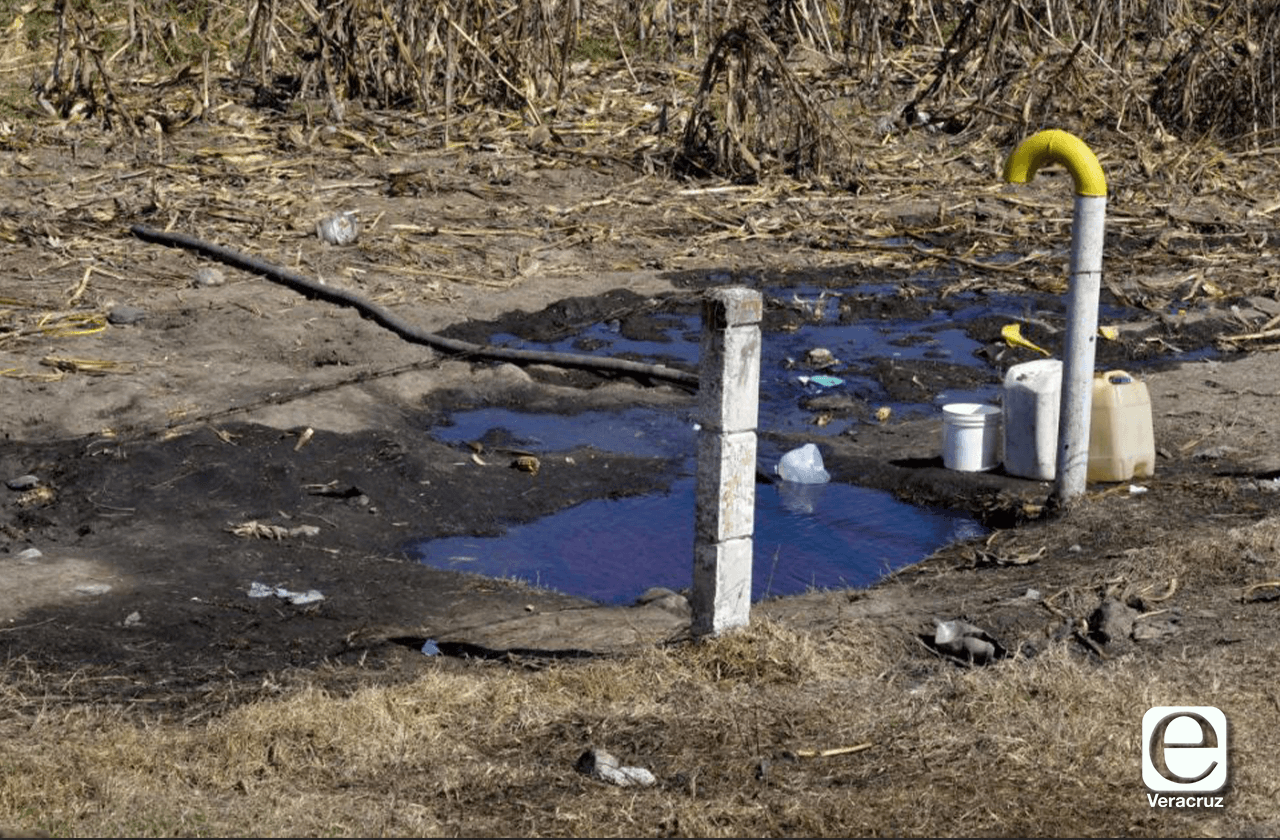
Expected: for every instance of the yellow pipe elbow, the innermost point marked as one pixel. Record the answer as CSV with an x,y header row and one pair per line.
x,y
1055,146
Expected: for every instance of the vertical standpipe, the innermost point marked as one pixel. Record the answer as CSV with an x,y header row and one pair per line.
x,y
1083,290
728,407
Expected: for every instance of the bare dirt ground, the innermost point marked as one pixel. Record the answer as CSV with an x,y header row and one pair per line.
x,y
155,443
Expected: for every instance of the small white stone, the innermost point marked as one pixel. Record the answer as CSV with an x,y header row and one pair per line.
x,y
23,482
820,357
207,275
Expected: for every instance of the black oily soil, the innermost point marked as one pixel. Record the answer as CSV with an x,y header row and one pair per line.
x,y
160,514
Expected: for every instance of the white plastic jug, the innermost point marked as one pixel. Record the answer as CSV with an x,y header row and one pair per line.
x,y
1032,394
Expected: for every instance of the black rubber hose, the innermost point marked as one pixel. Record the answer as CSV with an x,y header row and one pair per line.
x,y
399,326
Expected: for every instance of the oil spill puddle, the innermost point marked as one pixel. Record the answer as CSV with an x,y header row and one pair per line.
x,y
637,431
836,353
611,550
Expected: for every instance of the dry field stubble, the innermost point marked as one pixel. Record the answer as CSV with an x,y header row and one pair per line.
x,y
734,729
1045,746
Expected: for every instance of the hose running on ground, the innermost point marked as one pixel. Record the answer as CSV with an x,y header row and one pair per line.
x,y
385,318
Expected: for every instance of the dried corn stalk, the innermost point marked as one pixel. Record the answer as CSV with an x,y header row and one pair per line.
x,y
440,54
1225,81
753,114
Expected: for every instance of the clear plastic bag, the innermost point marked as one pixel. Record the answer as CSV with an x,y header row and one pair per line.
x,y
803,466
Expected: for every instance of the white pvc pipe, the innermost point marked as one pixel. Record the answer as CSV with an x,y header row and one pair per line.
x,y
1083,291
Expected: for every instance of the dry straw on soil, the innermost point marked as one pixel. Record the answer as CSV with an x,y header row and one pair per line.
x,y
1193,69
763,733
838,96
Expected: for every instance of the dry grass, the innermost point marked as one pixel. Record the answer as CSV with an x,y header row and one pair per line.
x,y
1030,747
917,100
1173,67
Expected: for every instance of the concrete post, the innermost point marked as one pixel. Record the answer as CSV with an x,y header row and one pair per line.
x,y
728,407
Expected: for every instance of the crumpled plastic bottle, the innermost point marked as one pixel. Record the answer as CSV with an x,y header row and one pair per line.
x,y
803,466
339,228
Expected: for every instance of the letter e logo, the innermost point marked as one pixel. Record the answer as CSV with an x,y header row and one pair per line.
x,y
1184,749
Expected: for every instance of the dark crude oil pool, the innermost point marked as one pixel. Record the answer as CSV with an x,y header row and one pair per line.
x,y
611,550
806,536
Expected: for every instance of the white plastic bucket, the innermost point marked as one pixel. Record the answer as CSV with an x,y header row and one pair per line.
x,y
1032,395
970,436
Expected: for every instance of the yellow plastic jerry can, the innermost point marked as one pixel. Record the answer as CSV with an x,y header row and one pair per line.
x,y
1121,441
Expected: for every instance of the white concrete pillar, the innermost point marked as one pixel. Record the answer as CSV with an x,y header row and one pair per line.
x,y
728,408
